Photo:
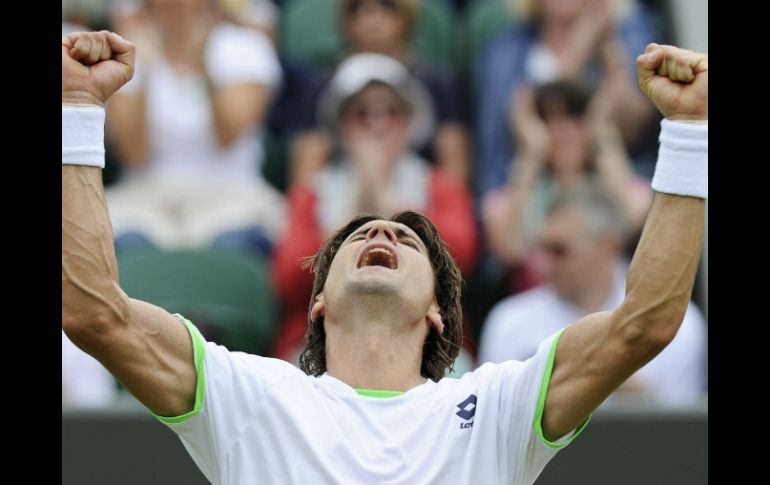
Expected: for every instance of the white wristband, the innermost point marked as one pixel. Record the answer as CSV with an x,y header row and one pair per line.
x,y
683,157
82,135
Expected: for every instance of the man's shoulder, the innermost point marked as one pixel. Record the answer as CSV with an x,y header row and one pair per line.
x,y
242,362
486,376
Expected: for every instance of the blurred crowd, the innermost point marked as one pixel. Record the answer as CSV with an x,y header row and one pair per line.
x,y
258,127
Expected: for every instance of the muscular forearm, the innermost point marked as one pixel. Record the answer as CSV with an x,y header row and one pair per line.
x,y
662,272
91,297
143,346
90,291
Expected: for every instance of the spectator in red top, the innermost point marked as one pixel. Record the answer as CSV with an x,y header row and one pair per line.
x,y
377,112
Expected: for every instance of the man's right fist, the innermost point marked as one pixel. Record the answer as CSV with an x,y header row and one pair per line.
x,y
93,66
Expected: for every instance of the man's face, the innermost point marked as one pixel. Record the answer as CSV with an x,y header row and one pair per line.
x,y
570,256
384,259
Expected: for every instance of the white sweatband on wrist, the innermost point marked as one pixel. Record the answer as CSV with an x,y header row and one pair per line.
x,y
683,157
82,135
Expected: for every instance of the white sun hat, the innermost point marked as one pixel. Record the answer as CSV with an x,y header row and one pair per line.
x,y
357,72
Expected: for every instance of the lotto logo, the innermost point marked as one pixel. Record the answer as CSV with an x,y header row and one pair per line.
x,y
467,408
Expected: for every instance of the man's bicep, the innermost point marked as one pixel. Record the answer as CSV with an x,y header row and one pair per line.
x,y
152,356
592,360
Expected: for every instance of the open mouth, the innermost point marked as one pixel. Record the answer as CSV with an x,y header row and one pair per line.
x,y
378,255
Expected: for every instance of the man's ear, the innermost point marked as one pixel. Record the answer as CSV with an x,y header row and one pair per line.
x,y
319,308
434,318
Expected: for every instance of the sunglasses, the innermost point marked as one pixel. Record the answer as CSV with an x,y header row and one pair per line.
x,y
355,6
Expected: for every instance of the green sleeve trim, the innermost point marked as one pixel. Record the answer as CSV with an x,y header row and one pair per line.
x,y
541,401
199,352
375,393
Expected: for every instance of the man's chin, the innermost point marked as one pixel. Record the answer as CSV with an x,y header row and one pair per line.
x,y
374,283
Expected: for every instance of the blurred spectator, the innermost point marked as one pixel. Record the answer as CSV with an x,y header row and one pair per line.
x,y
581,246
290,122
564,138
374,108
84,381
386,27
188,128
596,41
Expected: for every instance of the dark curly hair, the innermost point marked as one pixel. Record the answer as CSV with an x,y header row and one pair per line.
x,y
439,350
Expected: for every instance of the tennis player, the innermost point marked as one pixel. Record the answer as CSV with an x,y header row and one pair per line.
x,y
370,404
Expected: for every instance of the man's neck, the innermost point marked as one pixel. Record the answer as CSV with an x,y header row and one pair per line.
x,y
374,353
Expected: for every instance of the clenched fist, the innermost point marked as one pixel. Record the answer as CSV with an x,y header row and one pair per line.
x,y
676,81
93,66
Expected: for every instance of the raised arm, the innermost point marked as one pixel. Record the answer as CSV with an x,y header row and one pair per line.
x,y
600,351
143,346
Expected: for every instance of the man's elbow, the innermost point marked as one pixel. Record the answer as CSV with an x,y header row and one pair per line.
x,y
653,329
91,321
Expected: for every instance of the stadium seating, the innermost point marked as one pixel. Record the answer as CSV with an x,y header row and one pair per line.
x,y
275,165
227,294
